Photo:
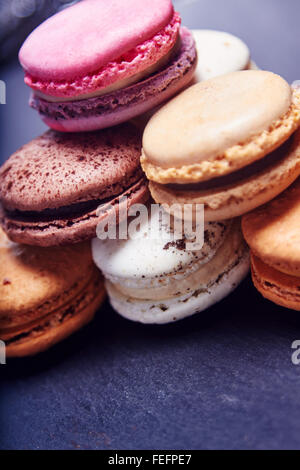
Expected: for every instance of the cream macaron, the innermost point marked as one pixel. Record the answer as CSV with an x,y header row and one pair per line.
x,y
220,53
228,143
157,278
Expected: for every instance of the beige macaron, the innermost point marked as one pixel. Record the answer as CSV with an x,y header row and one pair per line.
x,y
228,143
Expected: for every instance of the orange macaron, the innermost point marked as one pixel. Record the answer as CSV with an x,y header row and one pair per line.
x,y
46,294
273,234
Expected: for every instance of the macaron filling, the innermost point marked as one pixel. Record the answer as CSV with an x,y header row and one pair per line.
x,y
156,87
138,60
238,176
73,211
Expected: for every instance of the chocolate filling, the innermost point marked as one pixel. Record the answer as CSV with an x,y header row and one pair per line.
x,y
65,212
239,175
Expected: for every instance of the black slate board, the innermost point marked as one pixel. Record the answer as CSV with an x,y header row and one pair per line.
x,y
222,379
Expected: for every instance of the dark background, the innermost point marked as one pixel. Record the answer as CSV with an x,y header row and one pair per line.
x,y
220,380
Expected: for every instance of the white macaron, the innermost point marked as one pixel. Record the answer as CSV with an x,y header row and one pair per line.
x,y
155,278
219,53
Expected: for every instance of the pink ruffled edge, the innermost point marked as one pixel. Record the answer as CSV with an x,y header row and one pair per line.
x,y
131,63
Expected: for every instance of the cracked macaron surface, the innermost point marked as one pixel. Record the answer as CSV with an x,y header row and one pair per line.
x,y
51,188
159,278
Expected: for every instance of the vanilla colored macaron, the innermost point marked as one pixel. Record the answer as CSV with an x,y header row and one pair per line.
x,y
228,143
219,53
157,278
46,294
273,234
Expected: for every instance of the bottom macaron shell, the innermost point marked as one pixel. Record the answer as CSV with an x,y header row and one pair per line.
x,y
179,307
282,289
234,200
64,231
58,325
125,104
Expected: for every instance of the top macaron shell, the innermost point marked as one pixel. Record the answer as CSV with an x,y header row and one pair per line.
x,y
273,231
219,53
56,170
219,126
155,255
88,35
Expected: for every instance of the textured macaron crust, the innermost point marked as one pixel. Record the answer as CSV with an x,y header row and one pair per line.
x,y
192,139
273,231
45,294
194,152
273,234
280,288
51,188
241,192
219,53
95,43
158,280
124,104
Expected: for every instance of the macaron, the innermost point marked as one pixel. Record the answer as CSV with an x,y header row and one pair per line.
x,y
219,53
273,234
156,278
229,143
97,63
46,294
52,188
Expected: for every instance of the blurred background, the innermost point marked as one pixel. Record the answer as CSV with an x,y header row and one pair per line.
x,y
269,27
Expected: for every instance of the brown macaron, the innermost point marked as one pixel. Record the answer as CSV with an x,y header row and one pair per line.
x,y
273,234
46,294
51,188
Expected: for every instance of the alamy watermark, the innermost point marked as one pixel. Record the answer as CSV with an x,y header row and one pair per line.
x,y
2,353
296,354
2,92
155,222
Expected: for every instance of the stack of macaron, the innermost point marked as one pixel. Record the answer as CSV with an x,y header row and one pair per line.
x,y
228,143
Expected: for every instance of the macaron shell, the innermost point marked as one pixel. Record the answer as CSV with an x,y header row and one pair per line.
x,y
199,143
278,287
155,258
58,325
197,276
56,170
273,231
88,35
239,198
124,104
72,230
178,308
219,53
29,275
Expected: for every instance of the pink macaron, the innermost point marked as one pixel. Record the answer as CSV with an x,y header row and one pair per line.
x,y
98,63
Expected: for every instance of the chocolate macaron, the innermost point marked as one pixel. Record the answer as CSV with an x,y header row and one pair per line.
x,y
273,234
46,294
229,143
51,189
